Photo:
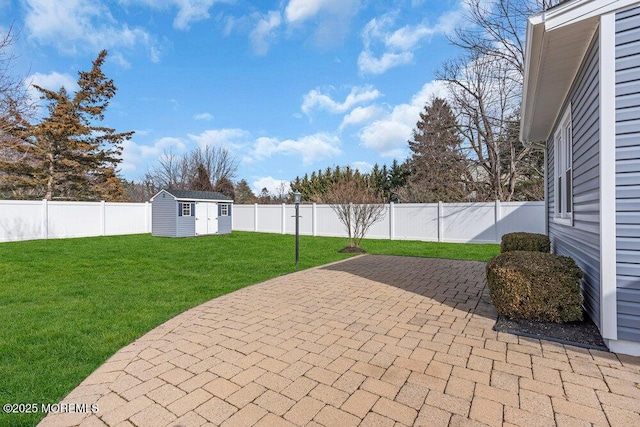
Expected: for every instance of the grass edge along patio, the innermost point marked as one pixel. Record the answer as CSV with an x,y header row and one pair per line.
x,y
72,303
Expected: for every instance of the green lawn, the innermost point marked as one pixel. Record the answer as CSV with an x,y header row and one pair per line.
x,y
67,305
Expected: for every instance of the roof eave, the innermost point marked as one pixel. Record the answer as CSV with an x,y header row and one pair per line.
x,y
190,199
533,52
161,191
556,40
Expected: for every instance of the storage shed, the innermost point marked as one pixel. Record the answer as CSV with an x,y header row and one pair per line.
x,y
183,213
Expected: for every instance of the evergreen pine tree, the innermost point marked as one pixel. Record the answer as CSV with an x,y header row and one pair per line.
x,y
438,170
68,155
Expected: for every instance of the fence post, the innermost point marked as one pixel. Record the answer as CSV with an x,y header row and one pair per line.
x,y
255,217
392,221
314,227
45,219
284,217
147,215
440,222
498,218
103,219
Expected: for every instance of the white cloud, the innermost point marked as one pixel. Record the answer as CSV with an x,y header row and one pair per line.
x,y
75,26
376,29
369,64
263,34
362,115
301,10
229,138
203,116
331,18
395,47
162,145
52,81
311,148
189,11
272,185
154,54
358,95
135,155
265,147
119,59
388,136
363,167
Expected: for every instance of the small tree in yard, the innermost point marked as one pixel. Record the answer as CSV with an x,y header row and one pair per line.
x,y
357,207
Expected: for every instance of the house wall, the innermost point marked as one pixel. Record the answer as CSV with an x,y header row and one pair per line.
x,y
163,215
185,225
627,118
224,222
581,240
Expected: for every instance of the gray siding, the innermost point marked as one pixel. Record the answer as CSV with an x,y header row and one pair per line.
x,y
186,225
581,241
163,216
224,222
628,173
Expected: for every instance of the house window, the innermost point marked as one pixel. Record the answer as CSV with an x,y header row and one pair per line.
x,y
186,209
224,209
563,141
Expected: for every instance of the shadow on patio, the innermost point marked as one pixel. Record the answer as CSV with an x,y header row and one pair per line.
x,y
459,284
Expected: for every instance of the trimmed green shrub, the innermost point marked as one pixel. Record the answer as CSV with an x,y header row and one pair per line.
x,y
525,242
535,286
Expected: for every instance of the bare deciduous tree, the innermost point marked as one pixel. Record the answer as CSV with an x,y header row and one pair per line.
x,y
16,109
485,86
218,161
140,191
179,171
497,29
485,93
14,97
356,206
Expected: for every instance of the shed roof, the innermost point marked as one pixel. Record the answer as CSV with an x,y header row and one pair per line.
x,y
557,40
197,195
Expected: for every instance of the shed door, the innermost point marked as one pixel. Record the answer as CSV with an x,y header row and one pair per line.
x,y
206,218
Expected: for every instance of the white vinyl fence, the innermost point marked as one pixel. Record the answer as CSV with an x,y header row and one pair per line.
x,y
436,222
28,219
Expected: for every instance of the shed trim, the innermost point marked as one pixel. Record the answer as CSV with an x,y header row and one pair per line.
x,y
223,199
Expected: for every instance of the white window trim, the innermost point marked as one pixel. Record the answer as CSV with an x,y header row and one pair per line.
x,y
560,158
186,209
224,209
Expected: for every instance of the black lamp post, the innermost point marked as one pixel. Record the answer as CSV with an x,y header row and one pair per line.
x,y
296,201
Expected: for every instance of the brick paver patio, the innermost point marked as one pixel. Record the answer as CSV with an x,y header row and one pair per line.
x,y
374,340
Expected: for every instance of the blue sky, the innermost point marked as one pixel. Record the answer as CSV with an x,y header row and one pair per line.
x,y
287,86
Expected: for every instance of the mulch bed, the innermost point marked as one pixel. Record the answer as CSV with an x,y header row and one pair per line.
x,y
583,334
352,250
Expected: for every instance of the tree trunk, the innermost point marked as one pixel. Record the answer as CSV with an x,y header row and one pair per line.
x,y
51,170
